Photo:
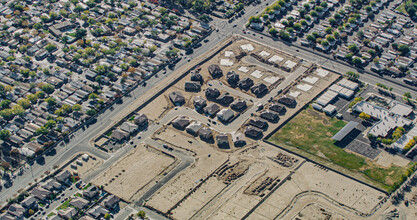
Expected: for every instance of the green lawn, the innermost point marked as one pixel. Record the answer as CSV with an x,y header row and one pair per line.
x,y
87,186
64,205
310,132
51,214
401,8
77,195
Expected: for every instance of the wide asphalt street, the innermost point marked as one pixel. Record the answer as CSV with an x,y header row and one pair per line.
x,y
80,141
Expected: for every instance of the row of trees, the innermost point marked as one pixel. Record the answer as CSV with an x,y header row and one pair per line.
x,y
410,144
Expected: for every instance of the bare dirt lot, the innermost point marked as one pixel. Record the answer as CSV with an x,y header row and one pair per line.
x,y
232,190
315,211
203,166
135,171
311,181
84,167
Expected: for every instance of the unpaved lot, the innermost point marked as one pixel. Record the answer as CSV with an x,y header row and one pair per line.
x,y
311,179
315,211
134,171
85,167
207,160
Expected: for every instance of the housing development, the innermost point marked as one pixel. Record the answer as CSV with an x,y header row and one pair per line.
x,y
208,109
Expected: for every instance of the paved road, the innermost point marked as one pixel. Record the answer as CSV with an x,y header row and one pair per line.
x,y
68,192
225,29
186,160
80,142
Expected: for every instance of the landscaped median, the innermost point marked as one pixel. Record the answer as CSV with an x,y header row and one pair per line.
x,y
309,134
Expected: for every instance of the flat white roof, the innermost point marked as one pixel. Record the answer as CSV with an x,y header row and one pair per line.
x,y
295,94
311,80
257,74
335,88
304,87
388,120
326,98
401,109
243,69
322,72
275,58
271,79
290,64
348,84
247,47
329,108
226,62
264,54
228,53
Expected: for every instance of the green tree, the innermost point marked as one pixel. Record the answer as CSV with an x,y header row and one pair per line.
x,y
93,96
64,39
352,75
50,47
37,26
40,94
407,95
53,15
51,101
63,13
80,33
42,131
353,48
44,19
91,3
91,112
48,88
4,134
78,9
284,35
311,38
2,90
59,112
364,116
76,107
18,110
5,103
66,108
273,31
141,214
7,114
50,124
25,103
404,49
107,216
357,61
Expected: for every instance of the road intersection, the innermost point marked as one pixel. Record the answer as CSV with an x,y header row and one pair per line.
x,y
80,141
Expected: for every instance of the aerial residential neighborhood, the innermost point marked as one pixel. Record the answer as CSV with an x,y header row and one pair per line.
x,y
198,109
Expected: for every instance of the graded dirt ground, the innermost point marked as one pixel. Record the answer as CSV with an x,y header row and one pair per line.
x,y
203,166
235,187
311,183
85,167
134,171
314,211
